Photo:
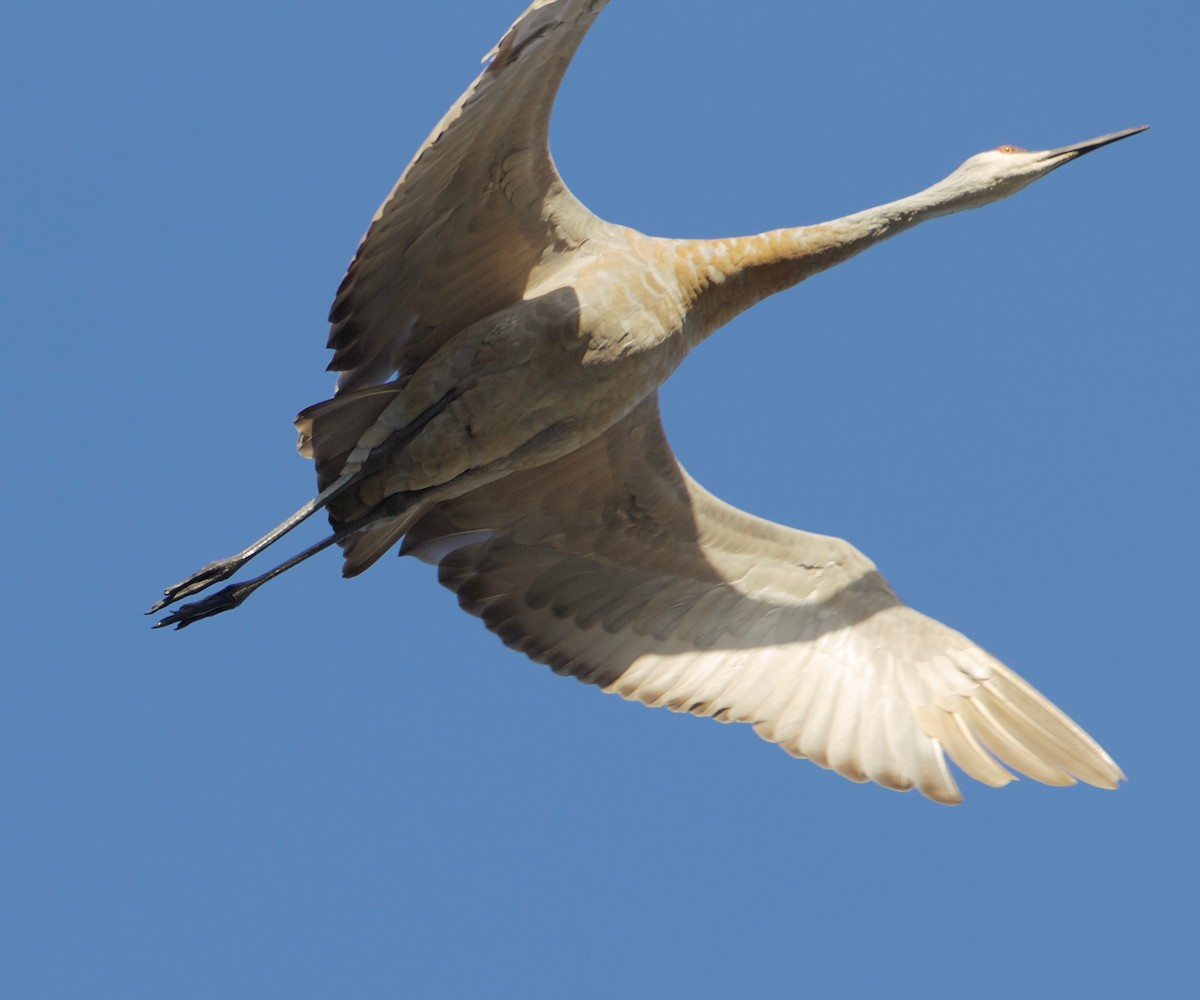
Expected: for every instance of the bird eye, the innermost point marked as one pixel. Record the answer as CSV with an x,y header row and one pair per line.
x,y
1010,149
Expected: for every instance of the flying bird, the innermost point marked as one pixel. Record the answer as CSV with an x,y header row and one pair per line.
x,y
499,351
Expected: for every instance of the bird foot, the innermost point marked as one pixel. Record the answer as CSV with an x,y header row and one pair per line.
x,y
223,600
202,579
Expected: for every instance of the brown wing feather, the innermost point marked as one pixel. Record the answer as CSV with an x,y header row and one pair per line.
x,y
472,215
612,565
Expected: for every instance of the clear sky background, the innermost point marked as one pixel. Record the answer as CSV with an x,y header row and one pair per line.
x,y
351,788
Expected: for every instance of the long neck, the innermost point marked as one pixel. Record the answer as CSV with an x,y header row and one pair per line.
x,y
728,276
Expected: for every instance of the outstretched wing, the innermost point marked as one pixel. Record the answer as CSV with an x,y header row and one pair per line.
x,y
614,566
474,212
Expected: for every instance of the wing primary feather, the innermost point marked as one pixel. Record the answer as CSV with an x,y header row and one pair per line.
x,y
999,741
949,729
1059,747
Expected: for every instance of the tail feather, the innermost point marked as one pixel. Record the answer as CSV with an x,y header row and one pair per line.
x,y
330,430
329,433
361,550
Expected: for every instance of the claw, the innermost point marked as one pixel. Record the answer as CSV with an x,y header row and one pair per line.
x,y
223,600
202,579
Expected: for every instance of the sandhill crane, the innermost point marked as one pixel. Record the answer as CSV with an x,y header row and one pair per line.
x,y
500,350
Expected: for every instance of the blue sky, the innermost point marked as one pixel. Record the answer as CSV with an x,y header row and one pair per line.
x,y
351,788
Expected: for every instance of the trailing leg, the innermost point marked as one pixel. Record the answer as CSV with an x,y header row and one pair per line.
x,y
394,516
223,569
230,597
329,433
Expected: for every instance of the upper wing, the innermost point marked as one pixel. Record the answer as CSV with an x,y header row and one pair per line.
x,y
472,214
613,565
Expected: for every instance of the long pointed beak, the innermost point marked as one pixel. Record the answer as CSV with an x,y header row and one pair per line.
x,y
1065,154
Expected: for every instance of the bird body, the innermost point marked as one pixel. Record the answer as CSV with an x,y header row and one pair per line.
x,y
500,350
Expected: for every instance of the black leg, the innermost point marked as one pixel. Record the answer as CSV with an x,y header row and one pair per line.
x,y
223,569
230,597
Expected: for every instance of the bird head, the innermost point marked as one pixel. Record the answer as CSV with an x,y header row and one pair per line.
x,y
998,173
